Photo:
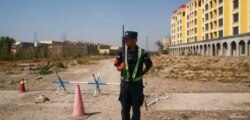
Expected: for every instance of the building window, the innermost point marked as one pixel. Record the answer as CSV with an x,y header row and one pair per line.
x,y
195,30
195,21
206,7
206,36
220,1
206,27
220,10
220,22
211,4
206,16
236,17
195,39
236,4
211,35
221,33
235,30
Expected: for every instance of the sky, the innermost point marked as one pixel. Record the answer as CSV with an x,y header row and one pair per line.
x,y
97,21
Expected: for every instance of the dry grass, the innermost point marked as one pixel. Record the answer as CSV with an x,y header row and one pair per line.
x,y
200,68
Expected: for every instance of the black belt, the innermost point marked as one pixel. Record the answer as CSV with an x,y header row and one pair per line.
x,y
132,82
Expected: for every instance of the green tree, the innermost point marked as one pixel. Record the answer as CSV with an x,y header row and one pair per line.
x,y
5,47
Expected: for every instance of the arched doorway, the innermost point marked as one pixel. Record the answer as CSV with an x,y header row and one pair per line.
x,y
182,51
213,50
194,50
209,50
197,49
205,49
233,49
248,47
242,48
225,49
218,51
189,50
201,49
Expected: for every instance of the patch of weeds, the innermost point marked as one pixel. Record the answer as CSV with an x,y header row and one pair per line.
x,y
73,64
185,116
207,68
8,72
246,67
196,68
186,58
59,65
156,68
22,69
44,70
85,61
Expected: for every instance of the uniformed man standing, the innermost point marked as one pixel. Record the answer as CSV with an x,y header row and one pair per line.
x,y
131,91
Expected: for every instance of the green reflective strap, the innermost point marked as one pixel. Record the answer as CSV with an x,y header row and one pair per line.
x,y
136,79
126,62
137,64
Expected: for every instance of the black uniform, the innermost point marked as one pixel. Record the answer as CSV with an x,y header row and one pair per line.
x,y
131,91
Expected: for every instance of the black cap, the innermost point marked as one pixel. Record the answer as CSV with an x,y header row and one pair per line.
x,y
131,34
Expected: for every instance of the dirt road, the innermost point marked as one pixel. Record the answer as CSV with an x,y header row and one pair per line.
x,y
205,101
18,106
188,99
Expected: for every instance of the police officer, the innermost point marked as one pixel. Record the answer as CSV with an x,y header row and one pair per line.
x,y
131,89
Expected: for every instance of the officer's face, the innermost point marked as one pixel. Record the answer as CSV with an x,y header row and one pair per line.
x,y
130,42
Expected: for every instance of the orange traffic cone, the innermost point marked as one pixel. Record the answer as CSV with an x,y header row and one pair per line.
x,y
78,109
22,86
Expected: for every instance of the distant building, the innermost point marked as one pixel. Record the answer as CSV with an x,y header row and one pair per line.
x,y
211,27
104,49
114,50
51,48
109,50
21,46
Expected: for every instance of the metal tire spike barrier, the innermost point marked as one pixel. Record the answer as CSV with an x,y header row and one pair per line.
x,y
97,82
61,83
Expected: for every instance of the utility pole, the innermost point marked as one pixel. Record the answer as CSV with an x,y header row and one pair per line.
x,y
35,37
147,43
61,37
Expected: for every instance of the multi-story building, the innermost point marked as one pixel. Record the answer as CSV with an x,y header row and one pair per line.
x,y
211,27
178,26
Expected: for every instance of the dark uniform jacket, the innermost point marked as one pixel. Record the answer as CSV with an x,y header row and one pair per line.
x,y
132,57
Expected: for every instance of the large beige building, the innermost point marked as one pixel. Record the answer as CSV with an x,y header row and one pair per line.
x,y
211,27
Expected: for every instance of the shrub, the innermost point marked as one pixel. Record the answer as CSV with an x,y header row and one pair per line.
x,y
59,65
44,70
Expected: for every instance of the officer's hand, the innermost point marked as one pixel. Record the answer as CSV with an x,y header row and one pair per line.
x,y
121,67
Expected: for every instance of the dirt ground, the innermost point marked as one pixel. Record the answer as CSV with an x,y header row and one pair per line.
x,y
170,75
